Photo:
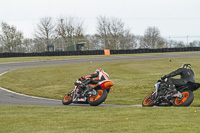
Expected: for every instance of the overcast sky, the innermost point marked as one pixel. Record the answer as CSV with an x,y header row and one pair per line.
x,y
171,17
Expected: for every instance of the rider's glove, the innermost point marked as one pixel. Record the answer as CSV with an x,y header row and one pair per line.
x,y
77,82
163,78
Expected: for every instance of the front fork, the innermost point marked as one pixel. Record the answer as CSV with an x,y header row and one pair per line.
x,y
90,91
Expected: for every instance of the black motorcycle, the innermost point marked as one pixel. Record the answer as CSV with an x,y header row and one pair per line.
x,y
164,96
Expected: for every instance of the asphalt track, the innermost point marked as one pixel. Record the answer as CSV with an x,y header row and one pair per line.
x,y
8,97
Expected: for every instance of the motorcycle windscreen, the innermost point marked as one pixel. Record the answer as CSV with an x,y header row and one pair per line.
x,y
107,84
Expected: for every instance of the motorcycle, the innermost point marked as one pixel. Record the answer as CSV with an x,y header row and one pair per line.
x,y
163,96
93,94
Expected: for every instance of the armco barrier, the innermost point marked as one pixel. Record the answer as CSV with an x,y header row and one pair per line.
x,y
100,52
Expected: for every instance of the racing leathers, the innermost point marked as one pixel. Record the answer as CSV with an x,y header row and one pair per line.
x,y
186,75
100,75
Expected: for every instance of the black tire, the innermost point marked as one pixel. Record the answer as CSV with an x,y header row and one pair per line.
x,y
149,100
67,99
100,98
186,100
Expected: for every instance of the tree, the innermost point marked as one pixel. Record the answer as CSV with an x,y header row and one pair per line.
x,y
45,32
28,45
176,44
38,45
196,43
128,41
114,34
95,42
10,38
152,39
70,30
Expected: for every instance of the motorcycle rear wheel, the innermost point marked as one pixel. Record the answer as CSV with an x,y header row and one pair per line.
x,y
186,100
149,101
100,98
67,99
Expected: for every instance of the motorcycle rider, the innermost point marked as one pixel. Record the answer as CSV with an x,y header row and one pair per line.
x,y
99,73
186,75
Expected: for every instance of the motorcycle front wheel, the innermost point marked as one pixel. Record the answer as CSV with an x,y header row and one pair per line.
x,y
188,97
99,98
149,100
67,99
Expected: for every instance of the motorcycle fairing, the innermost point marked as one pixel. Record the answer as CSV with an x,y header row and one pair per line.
x,y
106,84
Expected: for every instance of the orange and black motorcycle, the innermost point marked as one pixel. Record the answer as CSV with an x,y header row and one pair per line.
x,y
163,96
93,94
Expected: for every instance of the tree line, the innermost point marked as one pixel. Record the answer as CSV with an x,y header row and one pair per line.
x,y
111,33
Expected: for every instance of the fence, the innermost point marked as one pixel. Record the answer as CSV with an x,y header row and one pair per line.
x,y
99,52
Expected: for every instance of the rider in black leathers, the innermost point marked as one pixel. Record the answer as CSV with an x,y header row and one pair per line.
x,y
186,75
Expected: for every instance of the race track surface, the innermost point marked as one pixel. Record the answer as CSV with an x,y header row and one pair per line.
x,y
12,98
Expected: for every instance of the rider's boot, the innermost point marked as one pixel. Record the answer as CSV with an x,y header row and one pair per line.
x,y
173,89
176,93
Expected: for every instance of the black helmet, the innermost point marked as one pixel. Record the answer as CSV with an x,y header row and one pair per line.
x,y
187,66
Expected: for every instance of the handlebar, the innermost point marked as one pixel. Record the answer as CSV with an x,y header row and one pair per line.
x,y
82,82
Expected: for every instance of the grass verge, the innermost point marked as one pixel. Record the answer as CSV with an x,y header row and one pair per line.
x,y
36,119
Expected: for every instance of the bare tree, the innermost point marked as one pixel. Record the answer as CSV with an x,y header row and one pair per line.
x,y
177,44
28,45
95,42
10,38
70,30
128,41
114,34
152,39
45,31
196,43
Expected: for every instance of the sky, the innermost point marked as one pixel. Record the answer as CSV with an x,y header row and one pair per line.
x,y
174,18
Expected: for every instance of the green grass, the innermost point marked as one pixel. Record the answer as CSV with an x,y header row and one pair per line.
x,y
40,58
36,119
133,79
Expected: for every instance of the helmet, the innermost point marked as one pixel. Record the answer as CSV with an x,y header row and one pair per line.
x,y
99,70
187,66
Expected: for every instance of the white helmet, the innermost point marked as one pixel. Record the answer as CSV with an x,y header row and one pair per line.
x,y
99,70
